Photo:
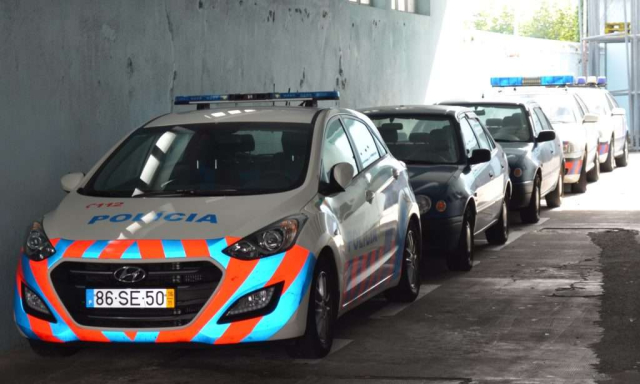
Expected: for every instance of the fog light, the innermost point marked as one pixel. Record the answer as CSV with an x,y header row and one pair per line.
x,y
441,206
34,305
424,203
257,303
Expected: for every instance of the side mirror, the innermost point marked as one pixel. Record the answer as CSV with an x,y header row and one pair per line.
x,y
590,118
480,156
545,136
618,112
341,176
71,181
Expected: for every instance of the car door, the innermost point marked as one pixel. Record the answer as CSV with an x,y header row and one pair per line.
x,y
619,124
545,152
357,223
372,262
479,180
592,130
495,168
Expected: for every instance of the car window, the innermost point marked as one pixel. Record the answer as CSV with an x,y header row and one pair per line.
x,y
336,149
470,141
423,139
596,101
206,159
483,140
363,141
505,123
559,108
582,108
546,126
612,101
537,124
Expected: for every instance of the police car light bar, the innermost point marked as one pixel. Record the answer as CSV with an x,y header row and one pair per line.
x,y
602,80
581,80
257,97
531,81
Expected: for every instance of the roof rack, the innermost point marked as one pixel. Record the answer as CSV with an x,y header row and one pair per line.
x,y
309,99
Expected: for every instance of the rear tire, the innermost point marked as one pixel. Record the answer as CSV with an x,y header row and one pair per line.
x,y
623,160
45,349
409,287
581,185
610,164
554,198
461,259
531,214
498,234
594,174
318,337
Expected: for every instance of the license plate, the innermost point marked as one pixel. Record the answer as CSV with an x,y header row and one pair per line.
x,y
130,298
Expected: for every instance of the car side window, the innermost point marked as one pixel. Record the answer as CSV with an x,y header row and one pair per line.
x,y
336,149
470,141
582,108
537,123
484,141
363,140
546,126
612,101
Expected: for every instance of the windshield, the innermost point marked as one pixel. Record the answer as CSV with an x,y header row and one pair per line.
x,y
595,100
206,159
420,140
505,123
558,108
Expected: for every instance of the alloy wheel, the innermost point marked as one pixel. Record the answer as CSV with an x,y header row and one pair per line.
x,y
323,306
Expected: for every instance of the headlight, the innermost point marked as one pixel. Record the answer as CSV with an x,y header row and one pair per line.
x,y
268,241
37,245
424,203
568,147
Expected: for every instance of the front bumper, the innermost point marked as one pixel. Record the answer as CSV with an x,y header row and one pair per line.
x,y
521,195
293,269
572,170
441,234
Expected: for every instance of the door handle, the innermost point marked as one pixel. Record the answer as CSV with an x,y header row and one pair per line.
x,y
396,173
369,195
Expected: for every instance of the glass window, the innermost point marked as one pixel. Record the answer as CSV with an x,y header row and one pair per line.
x,y
404,5
480,134
546,126
363,142
470,141
559,108
595,101
421,139
506,123
363,2
537,125
206,159
582,108
336,149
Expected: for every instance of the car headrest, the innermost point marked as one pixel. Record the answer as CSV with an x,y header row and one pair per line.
x,y
389,136
294,142
419,137
494,122
510,121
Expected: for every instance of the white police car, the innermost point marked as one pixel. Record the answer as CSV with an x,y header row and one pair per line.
x,y
224,226
578,129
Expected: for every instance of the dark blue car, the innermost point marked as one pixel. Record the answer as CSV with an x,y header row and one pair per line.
x,y
460,176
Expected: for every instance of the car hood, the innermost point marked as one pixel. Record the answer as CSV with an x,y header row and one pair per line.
x,y
516,151
81,217
431,179
571,132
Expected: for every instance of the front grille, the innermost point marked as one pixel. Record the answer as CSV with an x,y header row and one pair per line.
x,y
194,283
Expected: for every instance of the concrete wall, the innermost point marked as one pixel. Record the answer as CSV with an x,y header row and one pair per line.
x,y
77,75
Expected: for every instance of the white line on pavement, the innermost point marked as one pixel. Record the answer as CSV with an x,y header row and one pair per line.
x,y
393,309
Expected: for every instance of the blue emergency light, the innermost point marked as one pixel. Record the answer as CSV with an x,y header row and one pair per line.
x,y
257,97
602,80
581,80
531,81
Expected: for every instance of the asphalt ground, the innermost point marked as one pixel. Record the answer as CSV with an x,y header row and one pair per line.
x,y
557,304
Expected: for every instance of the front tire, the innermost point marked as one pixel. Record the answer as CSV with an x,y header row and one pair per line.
x,y
531,214
45,349
610,164
594,174
461,259
581,185
498,234
318,337
554,198
409,286
623,160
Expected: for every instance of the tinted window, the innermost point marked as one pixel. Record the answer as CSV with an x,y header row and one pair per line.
x,y
420,140
480,134
336,149
207,159
470,142
505,123
363,141
537,124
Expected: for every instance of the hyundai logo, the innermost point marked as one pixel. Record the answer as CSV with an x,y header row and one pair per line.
x,y
129,274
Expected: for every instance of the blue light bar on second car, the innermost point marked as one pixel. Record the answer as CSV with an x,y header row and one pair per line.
x,y
602,80
581,80
531,81
257,97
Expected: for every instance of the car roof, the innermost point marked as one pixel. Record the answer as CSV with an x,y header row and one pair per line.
x,y
238,114
527,103
408,110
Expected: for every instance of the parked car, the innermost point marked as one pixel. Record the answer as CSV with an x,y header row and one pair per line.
x,y
459,174
533,150
613,144
569,116
224,226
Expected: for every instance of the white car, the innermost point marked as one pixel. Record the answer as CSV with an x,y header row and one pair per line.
x,y
578,130
223,226
613,147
